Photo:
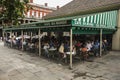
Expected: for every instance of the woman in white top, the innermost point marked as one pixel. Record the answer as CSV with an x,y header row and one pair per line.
x,y
89,46
46,46
61,50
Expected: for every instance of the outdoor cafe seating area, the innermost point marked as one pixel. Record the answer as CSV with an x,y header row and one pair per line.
x,y
58,47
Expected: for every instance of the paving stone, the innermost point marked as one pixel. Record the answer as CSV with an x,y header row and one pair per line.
x,y
13,73
28,74
18,76
26,67
4,77
22,70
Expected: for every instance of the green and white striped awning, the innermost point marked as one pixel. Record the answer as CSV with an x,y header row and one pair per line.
x,y
98,20
85,24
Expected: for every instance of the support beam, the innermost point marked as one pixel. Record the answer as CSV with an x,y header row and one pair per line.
x,y
6,35
12,22
100,42
16,34
22,39
31,35
3,36
39,43
23,21
2,22
11,39
71,48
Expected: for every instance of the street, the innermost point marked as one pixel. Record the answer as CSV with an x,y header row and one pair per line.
x,y
18,65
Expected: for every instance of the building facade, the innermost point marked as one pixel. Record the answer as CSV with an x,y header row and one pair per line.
x,y
37,12
34,14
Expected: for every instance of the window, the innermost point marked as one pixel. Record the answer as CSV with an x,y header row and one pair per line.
x,y
32,13
44,14
40,14
37,14
28,14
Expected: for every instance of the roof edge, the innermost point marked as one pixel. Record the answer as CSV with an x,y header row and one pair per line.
x,y
94,10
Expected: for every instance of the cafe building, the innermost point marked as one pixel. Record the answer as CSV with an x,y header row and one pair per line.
x,y
80,17
93,13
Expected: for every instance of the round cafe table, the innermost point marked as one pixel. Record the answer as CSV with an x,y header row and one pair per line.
x,y
73,53
52,52
52,49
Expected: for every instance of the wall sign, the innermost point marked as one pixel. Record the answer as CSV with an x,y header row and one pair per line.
x,y
105,19
55,23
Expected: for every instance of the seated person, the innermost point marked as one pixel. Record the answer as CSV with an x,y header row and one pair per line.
x,y
36,45
45,47
14,41
84,49
74,49
51,44
105,45
61,50
78,44
96,47
24,42
66,47
89,46
84,52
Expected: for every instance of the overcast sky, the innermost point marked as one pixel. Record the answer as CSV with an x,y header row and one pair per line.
x,y
52,3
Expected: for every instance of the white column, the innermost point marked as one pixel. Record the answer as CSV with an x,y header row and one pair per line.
x,y
22,38
11,38
3,30
16,34
70,48
31,35
3,37
116,36
12,22
6,34
28,21
23,21
39,43
100,42
2,22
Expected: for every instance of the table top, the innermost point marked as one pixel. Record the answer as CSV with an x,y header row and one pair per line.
x,y
69,53
52,49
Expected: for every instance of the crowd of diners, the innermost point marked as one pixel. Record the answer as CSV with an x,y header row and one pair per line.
x,y
61,45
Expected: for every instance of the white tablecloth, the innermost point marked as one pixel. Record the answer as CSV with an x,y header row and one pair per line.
x,y
73,53
52,49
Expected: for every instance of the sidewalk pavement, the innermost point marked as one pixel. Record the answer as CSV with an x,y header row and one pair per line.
x,y
18,65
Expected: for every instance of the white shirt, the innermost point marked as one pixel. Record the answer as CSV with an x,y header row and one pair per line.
x,y
89,46
45,47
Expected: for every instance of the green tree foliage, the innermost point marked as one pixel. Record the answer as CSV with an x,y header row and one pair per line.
x,y
1,8
12,10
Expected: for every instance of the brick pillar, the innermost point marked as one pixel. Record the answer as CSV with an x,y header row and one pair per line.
x,y
30,13
42,14
39,14
35,13
31,1
116,36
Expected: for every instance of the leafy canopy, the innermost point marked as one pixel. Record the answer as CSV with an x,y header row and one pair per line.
x,y
13,9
